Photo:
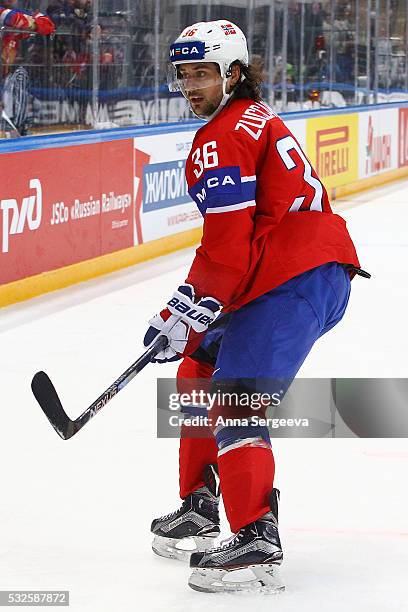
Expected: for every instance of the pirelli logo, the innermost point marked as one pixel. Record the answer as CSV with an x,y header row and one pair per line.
x,y
332,144
333,151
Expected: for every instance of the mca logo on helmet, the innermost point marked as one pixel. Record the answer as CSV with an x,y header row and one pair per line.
x,y
187,51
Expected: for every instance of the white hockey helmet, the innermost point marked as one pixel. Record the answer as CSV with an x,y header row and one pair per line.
x,y
221,42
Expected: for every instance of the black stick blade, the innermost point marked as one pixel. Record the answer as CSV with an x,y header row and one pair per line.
x,y
46,395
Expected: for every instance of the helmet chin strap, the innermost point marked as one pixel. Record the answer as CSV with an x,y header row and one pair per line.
x,y
221,105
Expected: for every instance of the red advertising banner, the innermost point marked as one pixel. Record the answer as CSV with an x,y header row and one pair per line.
x,y
403,137
64,205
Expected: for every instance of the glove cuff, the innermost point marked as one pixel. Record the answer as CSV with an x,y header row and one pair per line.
x,y
211,303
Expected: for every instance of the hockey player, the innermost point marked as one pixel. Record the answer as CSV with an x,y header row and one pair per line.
x,y
278,262
19,19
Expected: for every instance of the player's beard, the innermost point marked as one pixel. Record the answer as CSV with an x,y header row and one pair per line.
x,y
207,107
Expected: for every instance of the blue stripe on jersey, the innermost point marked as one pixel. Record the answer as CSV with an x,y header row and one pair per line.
x,y
222,187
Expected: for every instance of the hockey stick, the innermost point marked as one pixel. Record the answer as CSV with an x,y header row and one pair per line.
x,y
46,395
9,121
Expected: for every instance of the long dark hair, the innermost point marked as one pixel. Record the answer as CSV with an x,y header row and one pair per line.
x,y
251,86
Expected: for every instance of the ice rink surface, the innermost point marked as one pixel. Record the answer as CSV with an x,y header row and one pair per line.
x,y
76,514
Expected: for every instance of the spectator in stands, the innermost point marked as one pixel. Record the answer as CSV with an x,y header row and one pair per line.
x,y
74,13
73,50
343,47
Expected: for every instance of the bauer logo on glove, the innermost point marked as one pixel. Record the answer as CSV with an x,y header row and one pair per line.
x,y
184,322
199,320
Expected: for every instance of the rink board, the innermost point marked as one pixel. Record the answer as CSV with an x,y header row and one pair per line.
x,y
78,205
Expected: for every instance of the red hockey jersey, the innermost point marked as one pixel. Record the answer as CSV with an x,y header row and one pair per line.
x,y
267,216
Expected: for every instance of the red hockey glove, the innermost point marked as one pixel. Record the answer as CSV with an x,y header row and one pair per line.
x,y
43,24
187,333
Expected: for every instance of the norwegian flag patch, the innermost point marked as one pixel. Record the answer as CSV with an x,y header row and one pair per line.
x,y
228,29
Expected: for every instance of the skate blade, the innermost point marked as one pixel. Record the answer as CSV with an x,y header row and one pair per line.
x,y
267,580
172,548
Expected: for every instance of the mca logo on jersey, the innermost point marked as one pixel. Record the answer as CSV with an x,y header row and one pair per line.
x,y
187,51
15,217
223,189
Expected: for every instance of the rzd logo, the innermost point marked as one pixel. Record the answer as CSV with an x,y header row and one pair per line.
x,y
14,219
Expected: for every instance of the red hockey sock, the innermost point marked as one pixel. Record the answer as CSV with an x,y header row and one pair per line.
x,y
195,454
246,478
197,445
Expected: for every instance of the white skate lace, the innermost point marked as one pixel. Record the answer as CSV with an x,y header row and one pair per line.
x,y
171,514
228,542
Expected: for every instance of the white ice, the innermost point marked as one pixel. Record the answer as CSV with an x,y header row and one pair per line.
x,y
76,514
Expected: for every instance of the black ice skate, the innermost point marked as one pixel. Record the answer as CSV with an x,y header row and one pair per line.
x,y
256,548
197,523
